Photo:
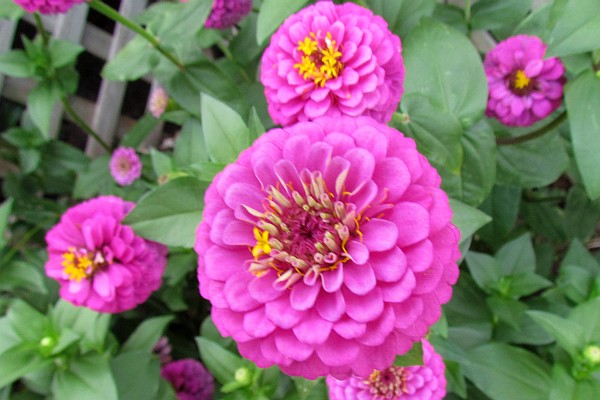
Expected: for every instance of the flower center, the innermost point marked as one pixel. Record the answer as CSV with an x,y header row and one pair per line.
x,y
123,165
519,83
389,383
302,233
81,263
320,59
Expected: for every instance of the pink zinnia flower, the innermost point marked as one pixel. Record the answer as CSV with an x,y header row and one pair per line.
x,y
227,13
426,382
48,6
327,248
331,60
157,103
524,87
125,166
100,263
190,379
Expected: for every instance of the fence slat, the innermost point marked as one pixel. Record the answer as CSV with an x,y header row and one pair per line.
x,y
110,100
7,34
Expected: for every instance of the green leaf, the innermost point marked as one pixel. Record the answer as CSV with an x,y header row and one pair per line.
x,y
506,310
577,30
40,104
517,256
413,357
588,317
226,134
484,270
209,331
575,282
255,125
10,10
527,164
27,322
311,390
186,22
136,374
580,214
454,79
582,97
189,147
505,372
18,361
402,15
133,61
568,334
63,52
16,63
272,14
467,219
580,256
88,377
523,284
170,213
220,362
503,206
142,128
161,162
95,179
19,274
91,326
146,334
5,210
494,14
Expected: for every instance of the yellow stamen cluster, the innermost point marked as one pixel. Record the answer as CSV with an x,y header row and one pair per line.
x,y
262,243
319,62
77,266
521,80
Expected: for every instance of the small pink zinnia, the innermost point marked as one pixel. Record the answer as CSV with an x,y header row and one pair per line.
x,y
331,60
190,379
327,248
227,13
524,87
157,103
125,166
426,382
47,6
100,263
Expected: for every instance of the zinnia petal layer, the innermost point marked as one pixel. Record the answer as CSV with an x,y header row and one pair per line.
x,y
426,382
189,378
308,235
100,263
523,86
332,60
227,13
48,6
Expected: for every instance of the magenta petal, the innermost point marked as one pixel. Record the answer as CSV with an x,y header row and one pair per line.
x,y
400,290
338,351
389,266
221,263
379,329
257,324
291,347
281,313
236,292
364,308
349,328
303,296
379,234
358,252
332,280
412,221
360,279
102,285
331,306
313,329
262,290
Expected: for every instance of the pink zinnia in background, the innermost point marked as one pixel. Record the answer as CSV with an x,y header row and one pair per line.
x,y
48,6
190,379
100,263
331,60
523,86
157,103
420,382
227,13
327,248
125,166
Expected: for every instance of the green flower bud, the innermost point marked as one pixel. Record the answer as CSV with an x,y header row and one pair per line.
x,y
591,354
243,376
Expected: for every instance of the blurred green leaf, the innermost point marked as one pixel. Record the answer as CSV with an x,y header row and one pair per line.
x,y
10,10
170,213
577,30
136,374
186,22
220,362
402,15
272,14
19,274
40,104
503,206
27,322
18,361
91,326
255,125
16,63
413,357
484,270
568,334
582,97
588,317
161,162
575,282
142,128
495,14
225,132
95,179
133,61
5,210
88,377
467,219
146,335
455,79
517,256
63,52
190,147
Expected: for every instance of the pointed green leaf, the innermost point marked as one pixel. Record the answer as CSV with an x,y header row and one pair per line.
x,y
147,334
272,14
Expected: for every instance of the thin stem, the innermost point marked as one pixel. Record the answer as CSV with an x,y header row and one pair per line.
x,y
114,15
468,10
41,29
533,135
83,125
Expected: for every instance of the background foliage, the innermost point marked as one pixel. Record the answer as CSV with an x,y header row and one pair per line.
x,y
525,312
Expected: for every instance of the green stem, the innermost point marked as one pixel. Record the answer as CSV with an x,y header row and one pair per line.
x,y
41,29
83,125
113,14
468,10
533,135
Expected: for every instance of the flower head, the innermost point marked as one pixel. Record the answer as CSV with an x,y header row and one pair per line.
x,y
426,382
125,166
100,263
190,379
332,60
47,6
524,87
157,103
227,13
327,248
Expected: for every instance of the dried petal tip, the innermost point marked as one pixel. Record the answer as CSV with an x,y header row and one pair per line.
x,y
524,87
332,60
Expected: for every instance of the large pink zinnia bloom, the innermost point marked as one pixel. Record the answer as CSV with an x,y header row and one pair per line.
x,y
524,87
331,60
426,382
189,378
100,263
327,248
48,6
227,13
